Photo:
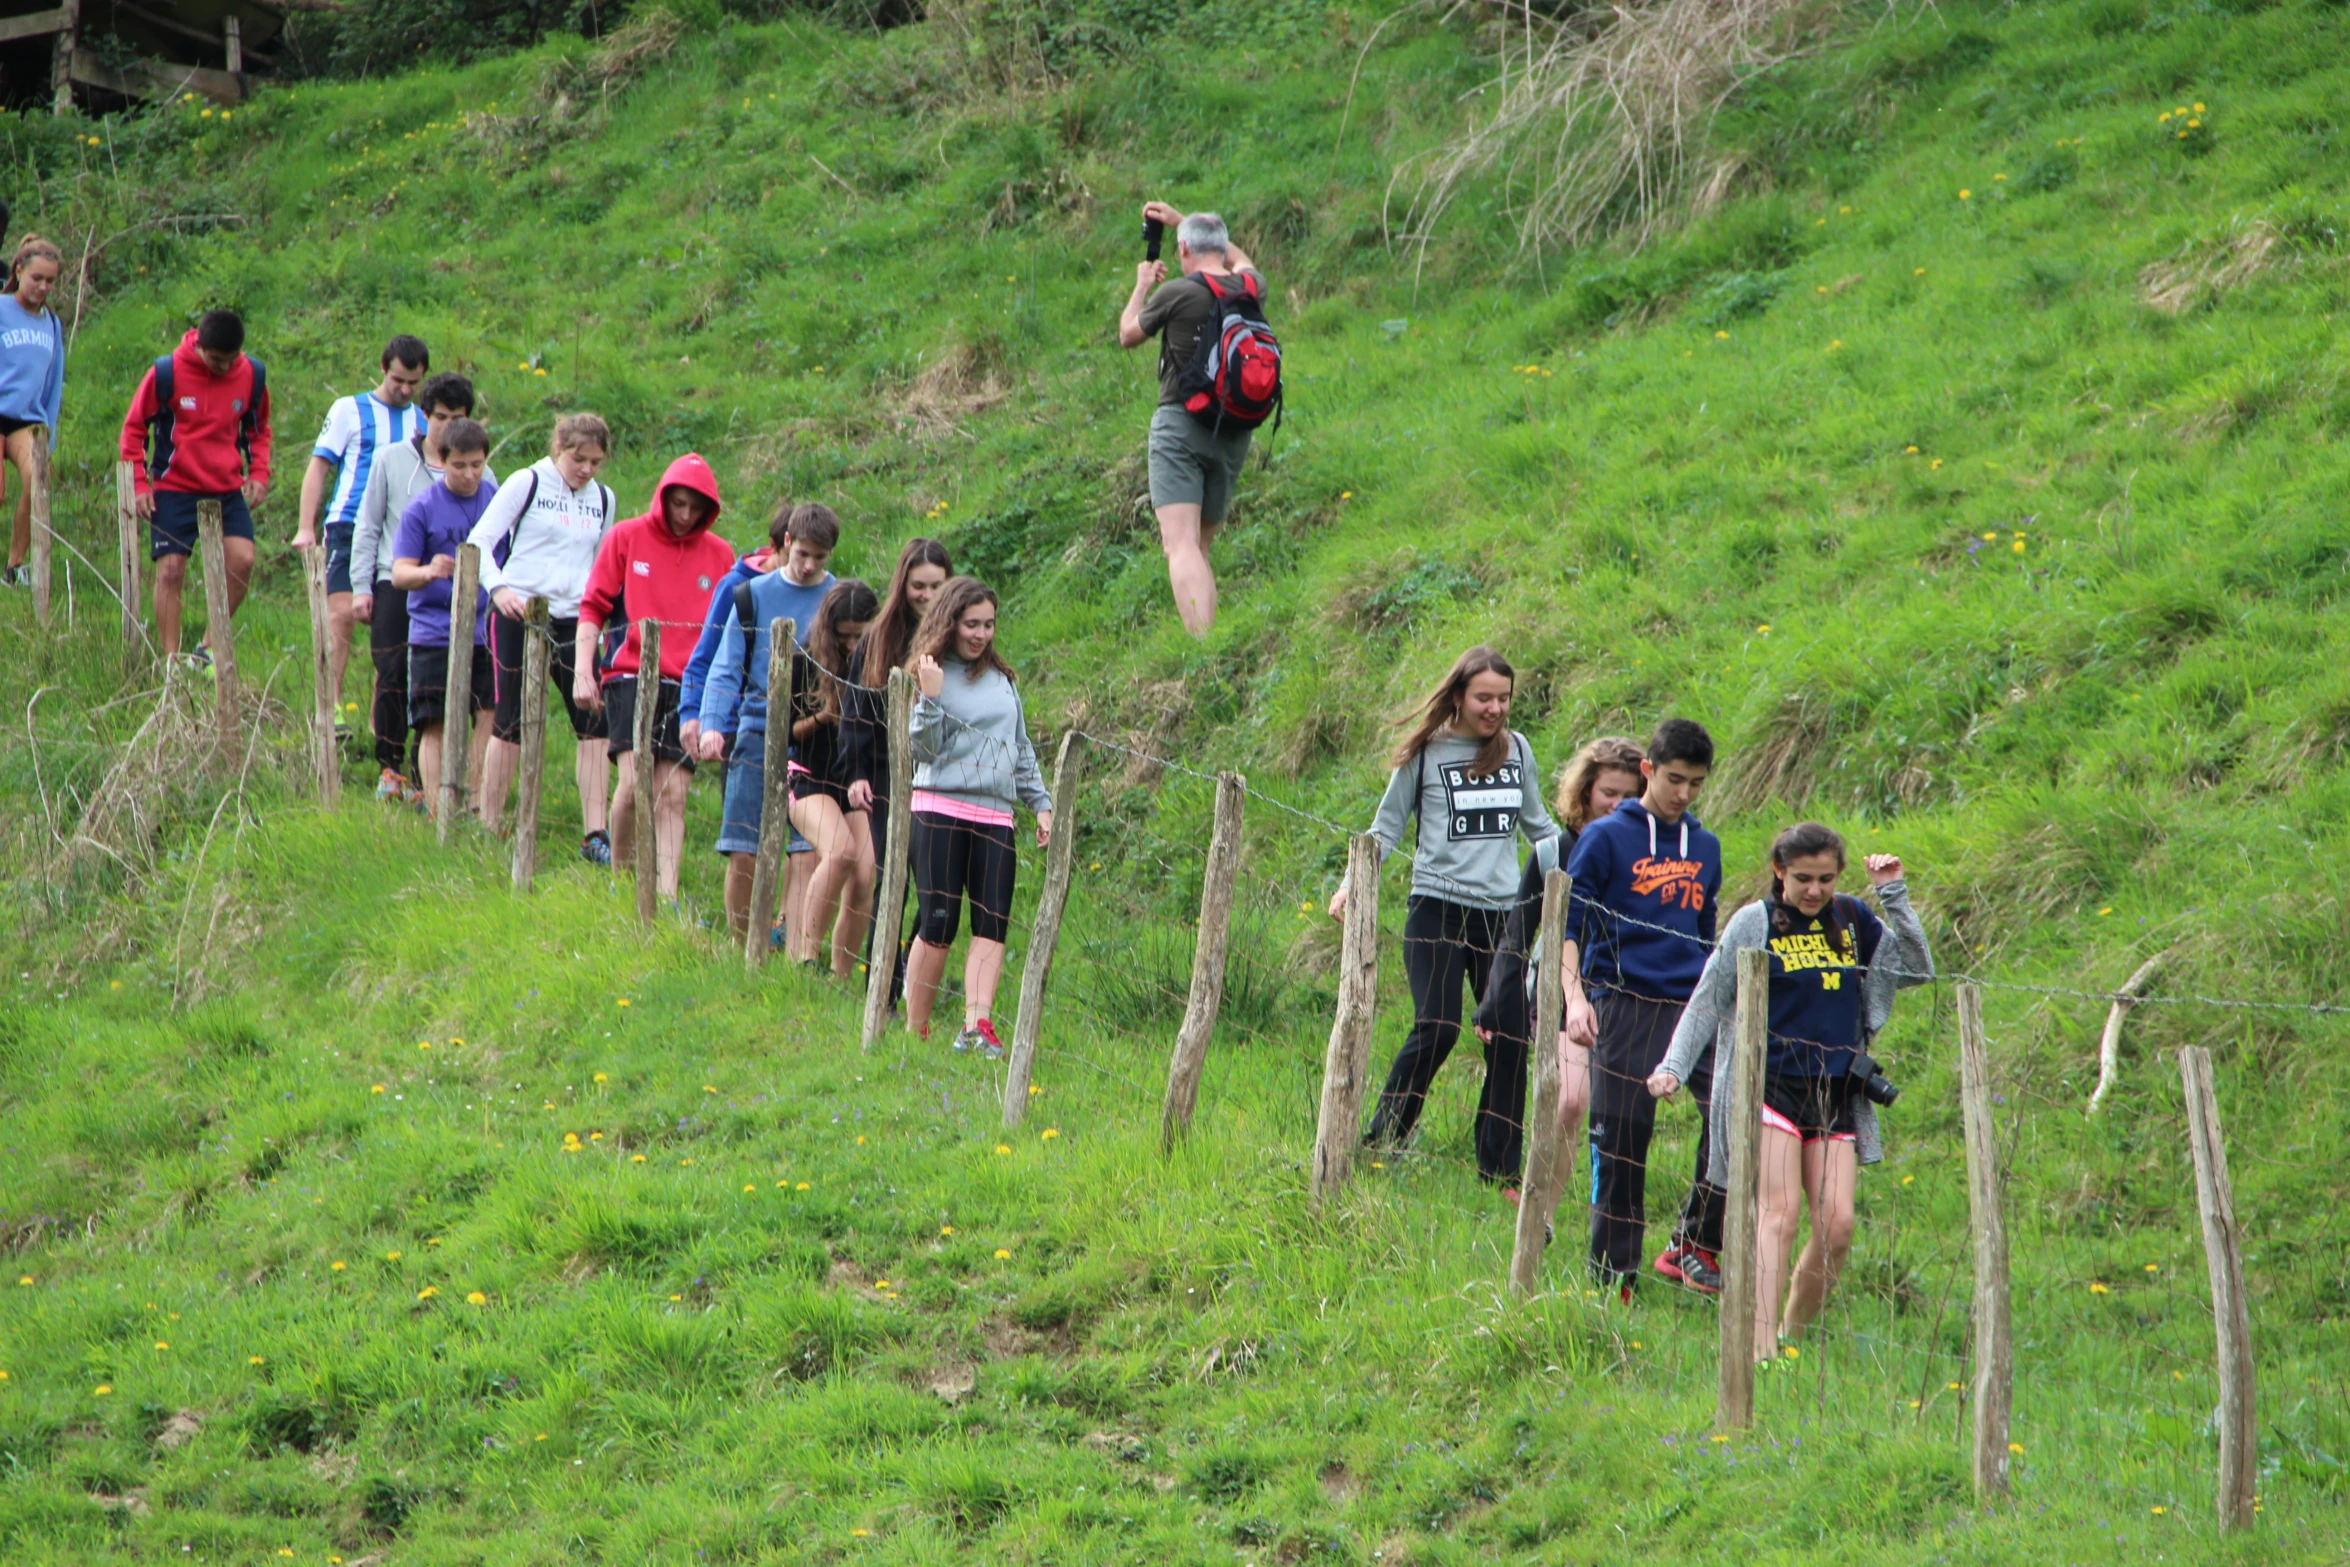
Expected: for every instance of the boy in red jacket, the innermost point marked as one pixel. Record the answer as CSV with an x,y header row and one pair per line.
x,y
660,566
207,406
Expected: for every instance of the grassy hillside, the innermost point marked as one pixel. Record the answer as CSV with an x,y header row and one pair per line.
x,y
1972,471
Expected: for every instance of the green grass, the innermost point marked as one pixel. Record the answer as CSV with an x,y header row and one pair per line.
x,y
2122,737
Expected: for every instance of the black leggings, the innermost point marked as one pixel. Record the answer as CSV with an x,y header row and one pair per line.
x,y
951,858
387,646
1633,1034
1446,944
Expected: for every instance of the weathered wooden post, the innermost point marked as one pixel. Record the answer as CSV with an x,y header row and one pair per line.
x,y
219,634
1045,936
69,19
457,715
648,704
890,913
775,808
1987,1204
44,541
1734,1387
126,529
530,775
1338,1128
2223,1256
1207,962
1542,1137
325,765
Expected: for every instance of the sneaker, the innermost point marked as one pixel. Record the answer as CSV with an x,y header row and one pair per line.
x,y
596,848
1510,1195
989,1046
16,576
968,1039
391,786
1624,1296
1668,1263
1700,1272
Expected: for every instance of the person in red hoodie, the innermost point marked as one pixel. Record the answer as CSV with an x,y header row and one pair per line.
x,y
207,408
660,566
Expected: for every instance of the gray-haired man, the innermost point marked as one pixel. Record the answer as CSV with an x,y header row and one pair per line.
x,y
1192,466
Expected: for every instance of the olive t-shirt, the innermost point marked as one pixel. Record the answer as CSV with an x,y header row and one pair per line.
x,y
1175,312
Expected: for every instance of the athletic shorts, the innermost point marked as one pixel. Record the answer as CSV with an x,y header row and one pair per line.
x,y
805,785
620,720
173,529
507,638
1814,1109
428,684
338,556
954,859
1192,465
9,427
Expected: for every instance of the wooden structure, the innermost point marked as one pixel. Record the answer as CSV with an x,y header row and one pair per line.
x,y
103,53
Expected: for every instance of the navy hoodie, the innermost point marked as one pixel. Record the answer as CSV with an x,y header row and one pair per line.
x,y
1817,968
1630,875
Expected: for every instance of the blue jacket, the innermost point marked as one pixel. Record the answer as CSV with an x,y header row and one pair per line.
x,y
1642,904
32,366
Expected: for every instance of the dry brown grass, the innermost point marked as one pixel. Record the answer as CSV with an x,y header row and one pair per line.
x,y
2204,270
962,381
1598,120
1783,764
574,92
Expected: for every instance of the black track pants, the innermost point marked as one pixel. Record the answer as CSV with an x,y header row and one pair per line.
x,y
1633,1035
1701,1211
1447,945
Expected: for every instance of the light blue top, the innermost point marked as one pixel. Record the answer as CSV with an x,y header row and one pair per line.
x,y
32,366
734,698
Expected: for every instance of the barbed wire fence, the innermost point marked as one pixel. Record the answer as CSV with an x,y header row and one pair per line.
x,y
1173,953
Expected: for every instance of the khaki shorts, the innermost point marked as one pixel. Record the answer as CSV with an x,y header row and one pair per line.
x,y
1194,466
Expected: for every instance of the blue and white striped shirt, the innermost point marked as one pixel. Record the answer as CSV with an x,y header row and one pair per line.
x,y
356,428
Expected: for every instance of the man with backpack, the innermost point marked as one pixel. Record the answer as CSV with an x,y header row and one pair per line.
x,y
1219,378
206,407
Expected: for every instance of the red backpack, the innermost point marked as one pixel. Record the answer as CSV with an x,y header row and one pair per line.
x,y
1235,372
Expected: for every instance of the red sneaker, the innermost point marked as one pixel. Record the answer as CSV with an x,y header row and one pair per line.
x,y
1701,1272
1509,1194
989,1046
1668,1263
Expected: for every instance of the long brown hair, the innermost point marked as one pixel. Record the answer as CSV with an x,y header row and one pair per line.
x,y
27,249
1804,838
892,630
1607,754
935,637
1442,705
851,598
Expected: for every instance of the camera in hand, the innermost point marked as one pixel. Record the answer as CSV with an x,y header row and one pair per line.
x,y
1872,1082
1153,231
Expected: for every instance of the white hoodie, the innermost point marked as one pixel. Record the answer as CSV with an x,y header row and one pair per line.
x,y
547,533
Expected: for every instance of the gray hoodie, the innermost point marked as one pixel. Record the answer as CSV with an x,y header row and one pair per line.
x,y
400,474
1469,824
971,742
1708,1025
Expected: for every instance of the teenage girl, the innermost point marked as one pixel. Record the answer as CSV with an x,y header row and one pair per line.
x,y
1469,779
1595,781
973,765
1834,967
840,891
32,380
922,571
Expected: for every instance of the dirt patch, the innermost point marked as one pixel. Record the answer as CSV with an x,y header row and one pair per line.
x,y
1124,1446
952,1383
133,1502
179,1430
1340,1483
1007,1340
965,380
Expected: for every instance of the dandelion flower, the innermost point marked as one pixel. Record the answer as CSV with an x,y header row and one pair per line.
x,y
1378,1164
538,372
881,1284
337,1267
2181,111
595,1137
1636,1343
1822,289
1835,343
603,1077
624,1001
2159,1511
1003,1148
1951,1387
1934,463
377,1089
1913,1403
476,1298
750,1186
860,1139
1918,272
391,1256
1763,629
254,1360
1905,1180
2198,108
708,1089
1050,1133
1791,1352
860,1533
2017,546
1346,495
428,1292
1033,1090
162,1344
101,1390
636,1158
2163,118
946,1229
2153,1267
1911,450
1966,195
2194,125
1719,1437
801,1187
1001,1255
1998,178
1721,337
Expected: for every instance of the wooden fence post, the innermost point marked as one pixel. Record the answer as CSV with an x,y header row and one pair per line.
x,y
1542,1134
228,700
2223,1255
326,766
530,773
1207,962
648,703
1987,1202
783,640
1734,1387
457,709
1037,967
890,913
1338,1128
126,529
44,542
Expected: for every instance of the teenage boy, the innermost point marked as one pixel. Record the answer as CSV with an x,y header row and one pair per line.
x,y
207,407
424,560
1645,883
666,562
398,475
357,427
734,696
1193,468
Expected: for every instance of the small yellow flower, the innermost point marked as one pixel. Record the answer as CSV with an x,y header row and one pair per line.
x,y
1346,495
1033,1090
860,1139
1764,629
2153,1267
946,1229
2180,111
685,1161
1905,1180
1910,450
2017,546
1001,1255
881,1284
860,1533
2163,118
1050,1133
1913,1403
162,1344
541,1437
476,1298
250,1360
428,1292
1966,195
424,1044
750,1186
1722,337
2194,125
1378,1164
801,1187
1997,178
624,1001
101,1390
337,1267
1951,1387
27,1279
708,1089
1719,1437
377,1089
391,1256
2198,108
1791,1352
2016,1448
602,1077
783,1186
1822,289
1635,1342
1003,1148
1933,464
636,1158
538,372
2159,1511
595,1137
1918,272
454,1040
